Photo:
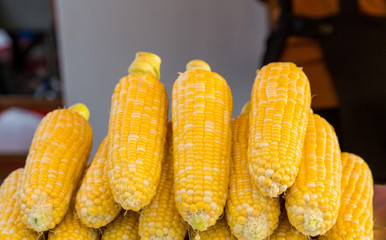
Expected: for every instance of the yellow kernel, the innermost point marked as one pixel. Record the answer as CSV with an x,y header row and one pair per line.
x,y
260,171
193,208
207,207
299,218
313,204
200,205
197,199
267,182
212,221
276,176
275,166
241,220
159,232
285,178
93,210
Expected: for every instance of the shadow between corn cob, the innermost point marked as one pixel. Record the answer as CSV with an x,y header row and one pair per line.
x,y
124,227
72,228
285,231
220,231
160,220
250,215
95,205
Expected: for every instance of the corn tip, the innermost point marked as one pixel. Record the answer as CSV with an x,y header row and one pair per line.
x,y
199,221
146,63
40,217
81,109
197,64
256,228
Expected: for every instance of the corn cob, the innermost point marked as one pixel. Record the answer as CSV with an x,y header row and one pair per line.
x,y
137,132
124,227
355,218
95,205
161,220
11,226
280,105
313,201
71,228
201,116
250,215
55,162
286,231
220,231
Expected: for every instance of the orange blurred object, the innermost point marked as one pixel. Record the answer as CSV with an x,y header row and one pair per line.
x,y
379,212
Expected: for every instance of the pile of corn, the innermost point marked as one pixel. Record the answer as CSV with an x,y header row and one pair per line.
x,y
274,172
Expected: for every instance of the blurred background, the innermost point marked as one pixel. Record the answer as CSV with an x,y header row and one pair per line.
x,y
56,53
30,77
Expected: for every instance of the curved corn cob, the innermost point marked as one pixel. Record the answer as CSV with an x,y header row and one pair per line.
x,y
220,231
137,132
55,162
72,228
161,220
355,218
286,231
95,205
250,215
280,105
11,226
313,201
201,116
124,227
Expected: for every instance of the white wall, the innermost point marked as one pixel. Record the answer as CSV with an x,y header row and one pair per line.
x,y
98,39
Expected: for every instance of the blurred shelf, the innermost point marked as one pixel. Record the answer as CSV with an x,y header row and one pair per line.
x,y
379,211
29,102
8,163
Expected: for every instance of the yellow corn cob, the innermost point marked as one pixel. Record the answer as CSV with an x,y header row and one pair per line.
x,y
11,226
355,218
250,215
95,205
286,231
313,201
201,116
55,162
280,105
124,227
220,231
72,228
137,132
161,220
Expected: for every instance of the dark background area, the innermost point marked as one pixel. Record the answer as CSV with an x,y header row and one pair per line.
x,y
29,72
